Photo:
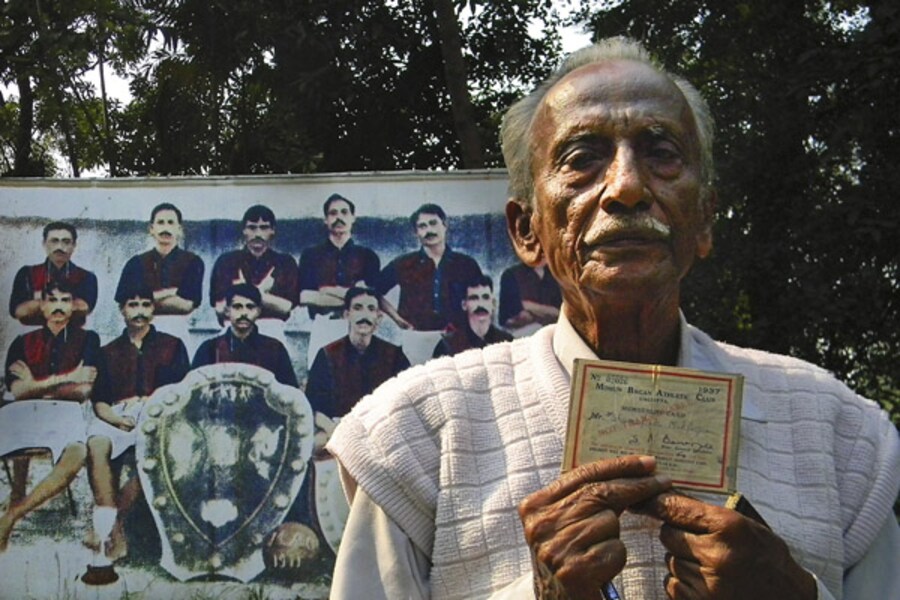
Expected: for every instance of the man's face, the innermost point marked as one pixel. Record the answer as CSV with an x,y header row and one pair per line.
x,y
339,218
363,314
257,236
165,228
617,183
57,307
479,301
242,312
137,311
59,245
430,230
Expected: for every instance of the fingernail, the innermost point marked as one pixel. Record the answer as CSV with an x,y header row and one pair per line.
x,y
648,461
663,479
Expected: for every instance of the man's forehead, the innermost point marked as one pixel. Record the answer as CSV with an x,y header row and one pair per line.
x,y
339,205
60,234
58,295
478,290
244,300
258,223
138,300
427,218
617,84
166,215
364,300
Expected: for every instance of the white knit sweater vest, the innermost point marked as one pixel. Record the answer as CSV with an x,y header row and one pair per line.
x,y
450,448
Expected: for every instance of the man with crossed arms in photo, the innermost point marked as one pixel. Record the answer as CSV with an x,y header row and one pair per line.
x,y
329,269
59,241
273,273
173,274
454,467
59,361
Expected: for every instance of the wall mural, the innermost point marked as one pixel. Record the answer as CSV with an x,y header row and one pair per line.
x,y
177,352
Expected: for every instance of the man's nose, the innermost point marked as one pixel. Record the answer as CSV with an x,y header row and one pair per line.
x,y
624,183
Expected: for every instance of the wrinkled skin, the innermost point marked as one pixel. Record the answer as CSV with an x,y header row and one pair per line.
x,y
619,213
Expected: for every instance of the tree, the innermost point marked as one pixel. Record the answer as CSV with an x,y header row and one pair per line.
x,y
807,247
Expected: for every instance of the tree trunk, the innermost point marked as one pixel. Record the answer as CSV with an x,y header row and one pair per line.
x,y
458,85
22,163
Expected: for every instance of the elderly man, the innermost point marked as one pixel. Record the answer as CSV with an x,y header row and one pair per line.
x,y
175,275
243,342
136,363
478,331
273,273
60,240
455,467
56,362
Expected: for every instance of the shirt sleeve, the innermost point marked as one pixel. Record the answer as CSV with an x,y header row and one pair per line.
x,y
16,352
21,291
376,560
286,285
306,271
387,278
88,290
129,279
510,298
320,387
191,285
179,367
205,354
371,269
876,575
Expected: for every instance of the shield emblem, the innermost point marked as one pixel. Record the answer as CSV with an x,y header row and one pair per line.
x,y
331,505
221,457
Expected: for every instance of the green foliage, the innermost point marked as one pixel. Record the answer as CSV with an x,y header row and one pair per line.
x,y
806,99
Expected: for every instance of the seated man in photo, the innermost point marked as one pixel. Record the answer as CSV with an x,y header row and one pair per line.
x,y
478,330
243,343
137,362
58,362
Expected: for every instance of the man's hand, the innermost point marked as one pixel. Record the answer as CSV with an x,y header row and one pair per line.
x,y
125,423
267,283
164,293
572,525
239,279
718,553
20,371
82,374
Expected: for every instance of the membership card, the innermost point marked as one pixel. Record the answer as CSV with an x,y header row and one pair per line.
x,y
689,420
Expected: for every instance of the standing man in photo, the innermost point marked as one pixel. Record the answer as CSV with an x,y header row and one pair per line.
x,y
60,240
272,273
327,270
432,279
529,298
175,275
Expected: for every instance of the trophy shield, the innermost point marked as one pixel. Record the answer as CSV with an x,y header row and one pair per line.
x,y
331,508
221,457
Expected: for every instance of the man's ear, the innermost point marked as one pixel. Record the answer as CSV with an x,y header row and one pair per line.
x,y
707,212
521,233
